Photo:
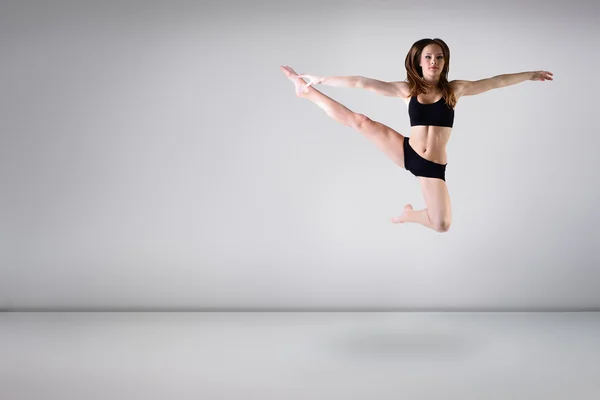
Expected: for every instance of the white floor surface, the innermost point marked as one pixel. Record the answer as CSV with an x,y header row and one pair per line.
x,y
300,355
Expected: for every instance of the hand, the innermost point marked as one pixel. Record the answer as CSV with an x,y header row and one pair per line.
x,y
541,76
312,80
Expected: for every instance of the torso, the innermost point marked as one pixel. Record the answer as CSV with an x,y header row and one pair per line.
x,y
430,141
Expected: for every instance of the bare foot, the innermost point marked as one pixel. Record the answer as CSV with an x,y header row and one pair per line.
x,y
299,83
402,218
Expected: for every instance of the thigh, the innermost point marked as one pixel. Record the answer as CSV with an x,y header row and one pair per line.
x,y
437,198
390,142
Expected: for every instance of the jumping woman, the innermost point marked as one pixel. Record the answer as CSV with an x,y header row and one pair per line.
x,y
431,100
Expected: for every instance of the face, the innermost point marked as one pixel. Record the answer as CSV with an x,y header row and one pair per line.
x,y
432,60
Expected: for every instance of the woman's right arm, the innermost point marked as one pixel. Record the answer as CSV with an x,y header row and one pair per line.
x,y
394,89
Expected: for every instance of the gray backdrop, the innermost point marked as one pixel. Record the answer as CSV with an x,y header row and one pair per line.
x,y
153,156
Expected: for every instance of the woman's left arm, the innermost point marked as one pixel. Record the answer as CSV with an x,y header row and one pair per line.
x,y
470,88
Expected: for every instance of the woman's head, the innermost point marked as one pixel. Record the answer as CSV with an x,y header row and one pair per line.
x,y
427,64
426,53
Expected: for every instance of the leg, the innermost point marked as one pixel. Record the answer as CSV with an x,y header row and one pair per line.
x,y
385,138
438,214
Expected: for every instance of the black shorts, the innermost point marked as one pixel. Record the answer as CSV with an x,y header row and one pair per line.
x,y
419,166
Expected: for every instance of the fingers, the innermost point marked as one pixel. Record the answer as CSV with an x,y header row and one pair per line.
x,y
310,78
543,76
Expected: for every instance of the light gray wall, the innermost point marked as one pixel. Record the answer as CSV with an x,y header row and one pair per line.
x,y
154,156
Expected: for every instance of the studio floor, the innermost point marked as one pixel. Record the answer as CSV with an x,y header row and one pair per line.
x,y
299,355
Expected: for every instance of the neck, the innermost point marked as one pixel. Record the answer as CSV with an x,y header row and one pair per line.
x,y
431,81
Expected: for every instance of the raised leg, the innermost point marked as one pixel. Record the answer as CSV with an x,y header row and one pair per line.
x,y
385,138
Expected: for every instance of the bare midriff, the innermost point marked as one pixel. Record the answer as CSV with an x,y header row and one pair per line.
x,y
430,142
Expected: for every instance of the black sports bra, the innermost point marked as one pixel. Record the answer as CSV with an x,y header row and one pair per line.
x,y
434,114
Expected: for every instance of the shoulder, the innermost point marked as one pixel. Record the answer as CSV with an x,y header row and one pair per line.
x,y
401,89
458,87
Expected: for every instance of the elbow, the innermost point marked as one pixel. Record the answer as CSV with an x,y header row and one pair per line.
x,y
496,82
359,82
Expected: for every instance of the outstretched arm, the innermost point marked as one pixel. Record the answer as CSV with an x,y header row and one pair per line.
x,y
470,88
396,89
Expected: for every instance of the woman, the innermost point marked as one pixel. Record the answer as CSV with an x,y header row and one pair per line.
x,y
431,100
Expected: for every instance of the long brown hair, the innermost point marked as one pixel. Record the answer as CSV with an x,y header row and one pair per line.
x,y
414,72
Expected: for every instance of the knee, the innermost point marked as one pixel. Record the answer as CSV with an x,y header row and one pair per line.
x,y
358,121
442,224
